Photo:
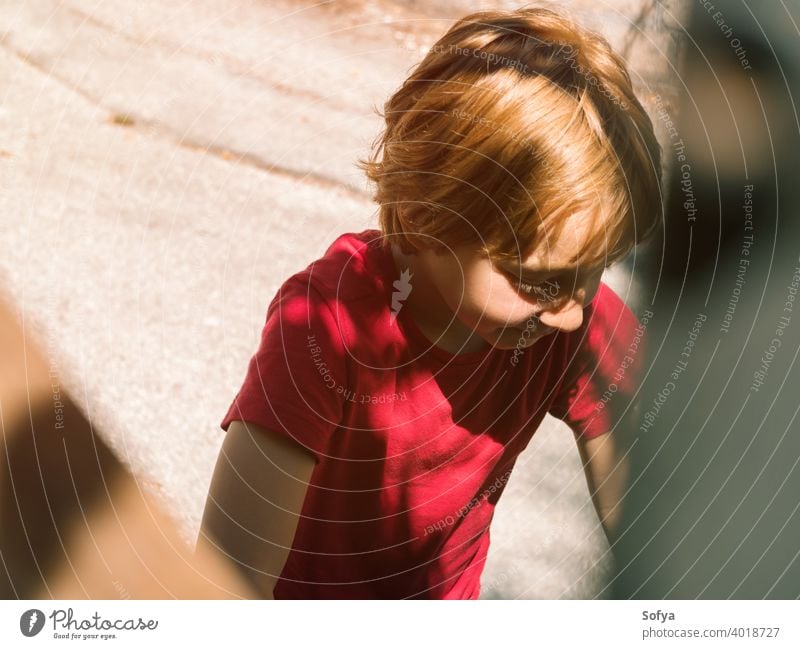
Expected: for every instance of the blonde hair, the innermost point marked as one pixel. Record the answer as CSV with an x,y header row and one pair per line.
x,y
514,121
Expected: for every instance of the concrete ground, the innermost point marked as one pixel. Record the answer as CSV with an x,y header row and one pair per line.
x,y
165,166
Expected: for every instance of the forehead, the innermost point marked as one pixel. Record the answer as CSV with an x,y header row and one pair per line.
x,y
580,244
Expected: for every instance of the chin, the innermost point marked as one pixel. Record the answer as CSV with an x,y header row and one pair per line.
x,y
504,346
509,338
512,338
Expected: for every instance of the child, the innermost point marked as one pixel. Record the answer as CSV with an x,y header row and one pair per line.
x,y
399,376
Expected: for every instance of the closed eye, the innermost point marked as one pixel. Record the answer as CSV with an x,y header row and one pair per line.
x,y
529,289
545,289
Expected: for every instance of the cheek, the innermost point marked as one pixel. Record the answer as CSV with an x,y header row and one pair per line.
x,y
490,303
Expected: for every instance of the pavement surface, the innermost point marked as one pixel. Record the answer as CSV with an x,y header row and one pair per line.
x,y
165,166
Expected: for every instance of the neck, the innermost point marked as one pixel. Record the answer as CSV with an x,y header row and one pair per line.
x,y
430,312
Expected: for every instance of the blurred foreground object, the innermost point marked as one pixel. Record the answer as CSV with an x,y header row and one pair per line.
x,y
74,523
713,510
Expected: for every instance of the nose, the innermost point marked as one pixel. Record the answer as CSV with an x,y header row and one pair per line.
x,y
566,317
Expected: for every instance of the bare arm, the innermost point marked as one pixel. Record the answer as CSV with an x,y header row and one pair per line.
x,y
254,502
607,468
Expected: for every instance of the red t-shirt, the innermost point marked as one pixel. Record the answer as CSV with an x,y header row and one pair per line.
x,y
414,445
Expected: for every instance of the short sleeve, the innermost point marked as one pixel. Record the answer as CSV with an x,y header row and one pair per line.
x,y
604,368
293,384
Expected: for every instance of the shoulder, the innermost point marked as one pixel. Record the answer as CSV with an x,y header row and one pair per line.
x,y
608,315
609,344
602,341
342,292
350,269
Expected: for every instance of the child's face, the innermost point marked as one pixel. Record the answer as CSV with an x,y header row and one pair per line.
x,y
488,298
